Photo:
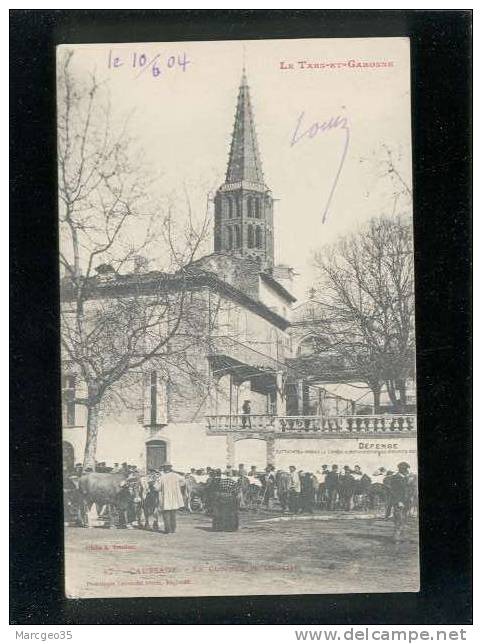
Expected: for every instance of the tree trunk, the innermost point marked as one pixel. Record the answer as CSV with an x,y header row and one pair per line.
x,y
392,393
92,428
402,388
397,390
376,389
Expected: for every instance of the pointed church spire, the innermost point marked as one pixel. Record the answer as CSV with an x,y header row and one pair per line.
x,y
244,161
243,205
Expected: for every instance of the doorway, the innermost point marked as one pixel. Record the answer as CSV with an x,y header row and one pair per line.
x,y
156,454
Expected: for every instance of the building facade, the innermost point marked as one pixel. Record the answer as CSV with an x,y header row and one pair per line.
x,y
244,344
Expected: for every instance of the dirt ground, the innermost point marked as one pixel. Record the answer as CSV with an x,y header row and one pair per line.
x,y
270,554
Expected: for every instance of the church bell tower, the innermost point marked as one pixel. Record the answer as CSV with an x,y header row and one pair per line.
x,y
243,222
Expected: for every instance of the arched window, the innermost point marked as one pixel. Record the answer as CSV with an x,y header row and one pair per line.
x,y
259,240
230,238
250,236
230,207
237,236
250,207
257,208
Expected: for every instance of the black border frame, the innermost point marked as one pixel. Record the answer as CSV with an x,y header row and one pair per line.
x,y
441,43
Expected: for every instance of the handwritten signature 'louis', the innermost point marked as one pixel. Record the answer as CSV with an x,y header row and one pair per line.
x,y
335,122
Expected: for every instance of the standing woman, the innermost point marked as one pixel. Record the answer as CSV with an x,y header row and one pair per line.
x,y
225,503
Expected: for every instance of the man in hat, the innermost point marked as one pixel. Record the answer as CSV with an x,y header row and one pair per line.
x,y
170,497
387,474
134,500
294,490
399,493
201,476
269,484
331,486
307,491
383,472
246,415
357,473
346,488
243,486
321,497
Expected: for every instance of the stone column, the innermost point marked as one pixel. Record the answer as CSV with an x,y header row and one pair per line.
x,y
270,450
230,397
299,392
236,398
280,395
236,387
230,450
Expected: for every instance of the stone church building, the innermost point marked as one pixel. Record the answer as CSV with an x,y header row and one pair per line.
x,y
252,336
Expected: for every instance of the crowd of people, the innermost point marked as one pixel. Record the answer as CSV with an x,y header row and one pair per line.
x,y
103,468
299,491
223,493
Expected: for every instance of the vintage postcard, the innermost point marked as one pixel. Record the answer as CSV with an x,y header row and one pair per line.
x,y
237,302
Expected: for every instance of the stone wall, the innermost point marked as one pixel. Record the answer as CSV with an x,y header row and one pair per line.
x,y
120,439
370,453
190,386
188,445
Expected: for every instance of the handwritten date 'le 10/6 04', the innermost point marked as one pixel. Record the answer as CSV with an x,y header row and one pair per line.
x,y
141,62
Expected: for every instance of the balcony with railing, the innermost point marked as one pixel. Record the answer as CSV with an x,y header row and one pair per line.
x,y
313,425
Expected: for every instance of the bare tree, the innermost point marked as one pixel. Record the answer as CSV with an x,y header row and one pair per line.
x,y
386,172
366,281
114,320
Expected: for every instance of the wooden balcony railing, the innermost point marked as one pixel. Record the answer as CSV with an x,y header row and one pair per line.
x,y
383,424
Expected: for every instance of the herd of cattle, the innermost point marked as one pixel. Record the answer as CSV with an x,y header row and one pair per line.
x,y
123,500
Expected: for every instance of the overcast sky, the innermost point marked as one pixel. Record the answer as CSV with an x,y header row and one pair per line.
x,y
183,119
